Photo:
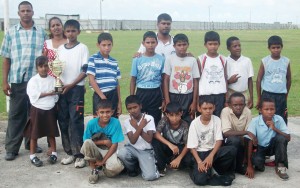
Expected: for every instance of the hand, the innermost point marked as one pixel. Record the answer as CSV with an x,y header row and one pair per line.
x,y
6,88
144,121
250,104
201,167
99,163
208,162
137,54
257,104
192,110
67,88
174,149
234,78
250,172
163,105
133,122
107,143
253,138
175,163
119,109
270,124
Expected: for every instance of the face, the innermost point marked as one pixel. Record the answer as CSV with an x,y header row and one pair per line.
x,y
212,47
174,118
25,13
267,110
235,48
206,110
181,48
150,44
164,27
134,109
104,114
237,104
275,50
105,47
43,70
56,27
71,33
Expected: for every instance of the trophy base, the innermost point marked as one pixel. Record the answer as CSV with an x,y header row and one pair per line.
x,y
58,90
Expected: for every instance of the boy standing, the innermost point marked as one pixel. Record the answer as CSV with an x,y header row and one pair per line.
x,y
146,75
170,140
213,83
274,77
181,79
139,152
239,71
272,138
101,138
205,140
103,72
71,103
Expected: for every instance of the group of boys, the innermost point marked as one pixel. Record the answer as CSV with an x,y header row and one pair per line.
x,y
174,82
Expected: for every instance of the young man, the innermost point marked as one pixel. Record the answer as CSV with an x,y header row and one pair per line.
x,y
205,142
16,74
139,152
171,139
101,138
235,119
272,138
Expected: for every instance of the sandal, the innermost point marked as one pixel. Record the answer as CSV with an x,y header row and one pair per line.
x,y
52,159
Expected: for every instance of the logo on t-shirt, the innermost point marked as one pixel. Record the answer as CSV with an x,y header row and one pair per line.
x,y
214,74
182,82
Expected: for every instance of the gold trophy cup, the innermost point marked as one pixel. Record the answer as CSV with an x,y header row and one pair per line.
x,y
56,66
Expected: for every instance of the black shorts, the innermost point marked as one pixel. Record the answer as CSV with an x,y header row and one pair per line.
x,y
110,95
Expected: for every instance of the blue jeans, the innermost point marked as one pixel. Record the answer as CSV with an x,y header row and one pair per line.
x,y
132,157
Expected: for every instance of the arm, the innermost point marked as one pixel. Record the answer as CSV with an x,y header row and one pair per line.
x,y
95,86
47,94
132,85
193,106
67,87
133,137
166,88
201,167
110,152
288,79
209,159
5,71
271,125
225,77
176,162
250,88
172,147
250,170
119,108
260,75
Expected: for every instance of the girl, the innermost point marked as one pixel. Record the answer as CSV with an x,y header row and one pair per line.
x,y
43,120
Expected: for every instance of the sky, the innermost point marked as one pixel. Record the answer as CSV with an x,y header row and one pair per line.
x,y
255,11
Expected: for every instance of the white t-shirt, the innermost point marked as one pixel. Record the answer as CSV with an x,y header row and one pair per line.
x,y
182,71
37,85
141,144
73,59
204,137
212,80
244,68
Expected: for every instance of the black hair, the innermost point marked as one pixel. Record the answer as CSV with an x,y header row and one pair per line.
x,y
236,94
25,3
104,36
72,23
173,107
132,99
40,61
211,36
49,25
180,37
164,16
149,34
265,99
230,40
275,40
206,99
104,103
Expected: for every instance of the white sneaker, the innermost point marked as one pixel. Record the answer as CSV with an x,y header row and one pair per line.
x,y
67,160
79,163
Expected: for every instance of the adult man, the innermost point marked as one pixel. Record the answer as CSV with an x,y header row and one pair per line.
x,y
164,39
235,120
21,45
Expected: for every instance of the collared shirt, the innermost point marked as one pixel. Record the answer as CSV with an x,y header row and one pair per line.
x,y
106,71
263,133
231,122
22,46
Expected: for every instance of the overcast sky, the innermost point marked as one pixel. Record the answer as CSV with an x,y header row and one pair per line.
x,y
256,11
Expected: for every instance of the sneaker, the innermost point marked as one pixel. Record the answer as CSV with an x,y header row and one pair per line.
x,y
52,159
94,177
68,160
281,172
10,156
163,172
36,162
79,163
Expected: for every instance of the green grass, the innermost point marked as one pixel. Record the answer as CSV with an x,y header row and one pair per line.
x,y
253,42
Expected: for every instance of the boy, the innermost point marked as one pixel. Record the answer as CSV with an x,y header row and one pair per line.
x,y
213,81
272,138
101,138
71,102
170,140
181,78
239,71
103,72
138,153
235,119
274,77
205,140
146,75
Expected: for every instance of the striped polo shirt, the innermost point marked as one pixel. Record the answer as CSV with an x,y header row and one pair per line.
x,y
106,71
22,47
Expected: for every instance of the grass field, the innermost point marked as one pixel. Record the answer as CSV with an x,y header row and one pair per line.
x,y
253,42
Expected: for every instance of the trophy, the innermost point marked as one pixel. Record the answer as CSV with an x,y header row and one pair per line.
x,y
56,66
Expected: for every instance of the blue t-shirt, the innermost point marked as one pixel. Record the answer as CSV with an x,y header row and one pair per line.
x,y
148,71
112,130
263,133
274,79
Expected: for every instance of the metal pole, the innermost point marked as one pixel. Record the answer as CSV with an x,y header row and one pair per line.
x,y
101,23
6,26
209,16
